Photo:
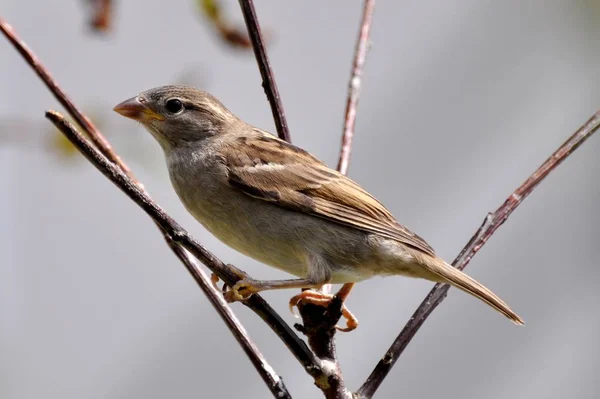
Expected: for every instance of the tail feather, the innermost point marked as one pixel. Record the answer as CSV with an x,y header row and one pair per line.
x,y
462,281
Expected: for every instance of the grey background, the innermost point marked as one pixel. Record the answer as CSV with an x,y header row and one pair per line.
x,y
462,100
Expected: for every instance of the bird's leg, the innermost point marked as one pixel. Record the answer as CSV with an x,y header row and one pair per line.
x,y
321,299
247,286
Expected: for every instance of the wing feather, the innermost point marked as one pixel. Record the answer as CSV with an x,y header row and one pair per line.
x,y
264,167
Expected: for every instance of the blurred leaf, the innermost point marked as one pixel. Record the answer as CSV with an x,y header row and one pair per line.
x,y
63,146
211,9
233,36
101,15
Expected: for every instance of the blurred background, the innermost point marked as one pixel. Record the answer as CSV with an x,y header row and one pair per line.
x,y
461,101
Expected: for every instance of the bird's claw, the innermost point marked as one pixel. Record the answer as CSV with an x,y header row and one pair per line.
x,y
321,299
214,279
241,291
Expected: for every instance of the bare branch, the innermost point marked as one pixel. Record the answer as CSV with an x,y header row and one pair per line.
x,y
264,66
490,224
362,46
268,374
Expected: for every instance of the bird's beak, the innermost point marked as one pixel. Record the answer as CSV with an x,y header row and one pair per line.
x,y
137,110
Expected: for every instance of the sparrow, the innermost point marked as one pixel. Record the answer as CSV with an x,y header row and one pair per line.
x,y
280,205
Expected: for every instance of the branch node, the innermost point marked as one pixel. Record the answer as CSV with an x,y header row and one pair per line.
x,y
489,218
388,358
179,236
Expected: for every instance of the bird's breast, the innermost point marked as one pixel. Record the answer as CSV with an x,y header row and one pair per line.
x,y
269,233
249,226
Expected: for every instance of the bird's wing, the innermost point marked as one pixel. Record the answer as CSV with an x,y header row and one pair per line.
x,y
264,167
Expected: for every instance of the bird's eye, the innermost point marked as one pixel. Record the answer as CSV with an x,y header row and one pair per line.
x,y
174,106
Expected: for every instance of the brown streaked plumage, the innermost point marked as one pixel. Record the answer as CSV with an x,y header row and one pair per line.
x,y
280,205
276,171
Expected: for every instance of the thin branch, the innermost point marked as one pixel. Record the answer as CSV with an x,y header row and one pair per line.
x,y
360,55
83,121
294,343
264,66
490,224
269,376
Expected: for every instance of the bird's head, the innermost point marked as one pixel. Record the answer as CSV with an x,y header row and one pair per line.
x,y
178,115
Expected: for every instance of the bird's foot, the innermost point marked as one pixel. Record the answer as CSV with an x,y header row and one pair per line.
x,y
321,299
241,290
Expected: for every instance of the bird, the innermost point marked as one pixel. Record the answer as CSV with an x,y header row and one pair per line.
x,y
279,204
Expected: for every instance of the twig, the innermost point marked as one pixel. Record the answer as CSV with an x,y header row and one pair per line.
x,y
96,137
362,46
269,376
264,66
272,380
490,224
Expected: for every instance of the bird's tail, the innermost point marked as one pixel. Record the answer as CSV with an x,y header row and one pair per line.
x,y
458,279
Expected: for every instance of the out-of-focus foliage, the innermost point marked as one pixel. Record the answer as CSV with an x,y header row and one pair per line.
x,y
101,16
37,136
231,35
62,145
